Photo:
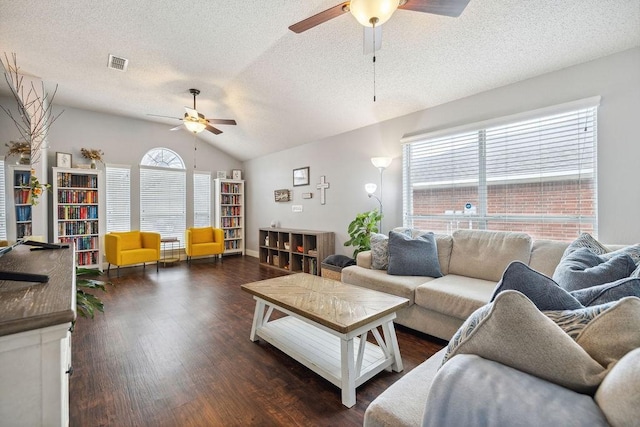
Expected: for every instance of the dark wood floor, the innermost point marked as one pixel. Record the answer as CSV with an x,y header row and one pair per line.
x,y
173,349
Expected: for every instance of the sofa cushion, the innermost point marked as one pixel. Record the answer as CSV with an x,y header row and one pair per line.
x,y
613,333
607,292
201,235
402,404
540,289
546,255
130,240
618,394
472,391
413,257
379,280
454,295
512,331
582,269
486,254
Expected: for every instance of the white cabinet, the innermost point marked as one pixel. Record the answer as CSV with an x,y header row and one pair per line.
x,y
230,211
34,378
35,337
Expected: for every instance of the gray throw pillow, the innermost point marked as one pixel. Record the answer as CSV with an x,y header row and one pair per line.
x,y
540,289
582,269
601,294
413,257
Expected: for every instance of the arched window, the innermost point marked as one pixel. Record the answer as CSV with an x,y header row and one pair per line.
x,y
163,193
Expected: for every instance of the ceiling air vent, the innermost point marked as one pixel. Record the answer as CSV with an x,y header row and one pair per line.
x,y
117,63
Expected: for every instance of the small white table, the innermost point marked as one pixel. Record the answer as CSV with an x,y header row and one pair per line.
x,y
327,326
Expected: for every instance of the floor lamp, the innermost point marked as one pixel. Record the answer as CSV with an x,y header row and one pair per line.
x,y
381,163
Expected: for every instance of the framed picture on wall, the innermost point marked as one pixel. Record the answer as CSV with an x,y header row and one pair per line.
x,y
283,195
63,160
301,176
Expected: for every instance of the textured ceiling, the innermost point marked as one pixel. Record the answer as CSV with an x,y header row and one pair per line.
x,y
286,89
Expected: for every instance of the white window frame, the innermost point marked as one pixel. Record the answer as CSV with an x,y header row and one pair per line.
x,y
202,199
118,190
163,193
482,178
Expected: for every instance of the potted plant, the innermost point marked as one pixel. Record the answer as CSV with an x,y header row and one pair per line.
x,y
360,230
86,303
93,154
22,148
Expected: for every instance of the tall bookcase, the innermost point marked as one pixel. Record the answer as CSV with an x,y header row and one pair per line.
x,y
229,205
20,222
78,213
297,251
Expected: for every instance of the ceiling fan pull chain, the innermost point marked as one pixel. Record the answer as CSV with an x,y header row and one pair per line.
x,y
374,61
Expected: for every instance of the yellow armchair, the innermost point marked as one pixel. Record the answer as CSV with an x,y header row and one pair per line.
x,y
132,247
202,241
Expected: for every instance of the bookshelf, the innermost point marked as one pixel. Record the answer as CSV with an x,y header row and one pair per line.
x,y
229,205
297,251
78,205
22,220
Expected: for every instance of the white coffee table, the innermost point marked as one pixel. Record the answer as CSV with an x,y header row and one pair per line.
x,y
326,327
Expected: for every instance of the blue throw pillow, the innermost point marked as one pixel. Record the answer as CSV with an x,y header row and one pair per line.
x,y
601,294
540,289
582,269
413,257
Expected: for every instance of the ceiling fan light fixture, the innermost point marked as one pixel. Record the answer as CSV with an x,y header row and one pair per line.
x,y
371,13
194,126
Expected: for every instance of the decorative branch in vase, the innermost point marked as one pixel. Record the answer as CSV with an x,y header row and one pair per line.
x,y
34,108
92,154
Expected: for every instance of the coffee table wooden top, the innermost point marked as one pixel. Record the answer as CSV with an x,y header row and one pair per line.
x,y
334,304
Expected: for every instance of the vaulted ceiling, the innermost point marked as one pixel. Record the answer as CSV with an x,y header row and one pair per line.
x,y
286,89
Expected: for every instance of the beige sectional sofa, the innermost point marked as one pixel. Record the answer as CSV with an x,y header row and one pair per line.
x,y
476,388
471,261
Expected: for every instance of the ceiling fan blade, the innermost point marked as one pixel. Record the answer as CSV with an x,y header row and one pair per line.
x,y
368,39
177,127
213,130
451,8
191,112
222,121
166,117
319,18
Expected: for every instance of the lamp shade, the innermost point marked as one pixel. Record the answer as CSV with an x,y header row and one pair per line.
x,y
370,12
381,162
370,188
194,126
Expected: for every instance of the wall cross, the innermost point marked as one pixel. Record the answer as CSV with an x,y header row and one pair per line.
x,y
322,186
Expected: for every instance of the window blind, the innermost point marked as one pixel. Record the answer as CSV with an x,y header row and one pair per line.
x,y
118,186
163,201
536,175
201,199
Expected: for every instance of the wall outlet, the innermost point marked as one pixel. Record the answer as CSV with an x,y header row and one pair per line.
x,y
296,208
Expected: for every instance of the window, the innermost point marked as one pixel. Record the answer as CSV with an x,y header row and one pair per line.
x,y
201,199
534,172
118,198
163,193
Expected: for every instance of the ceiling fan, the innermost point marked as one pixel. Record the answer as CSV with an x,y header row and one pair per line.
x,y
372,13
196,122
